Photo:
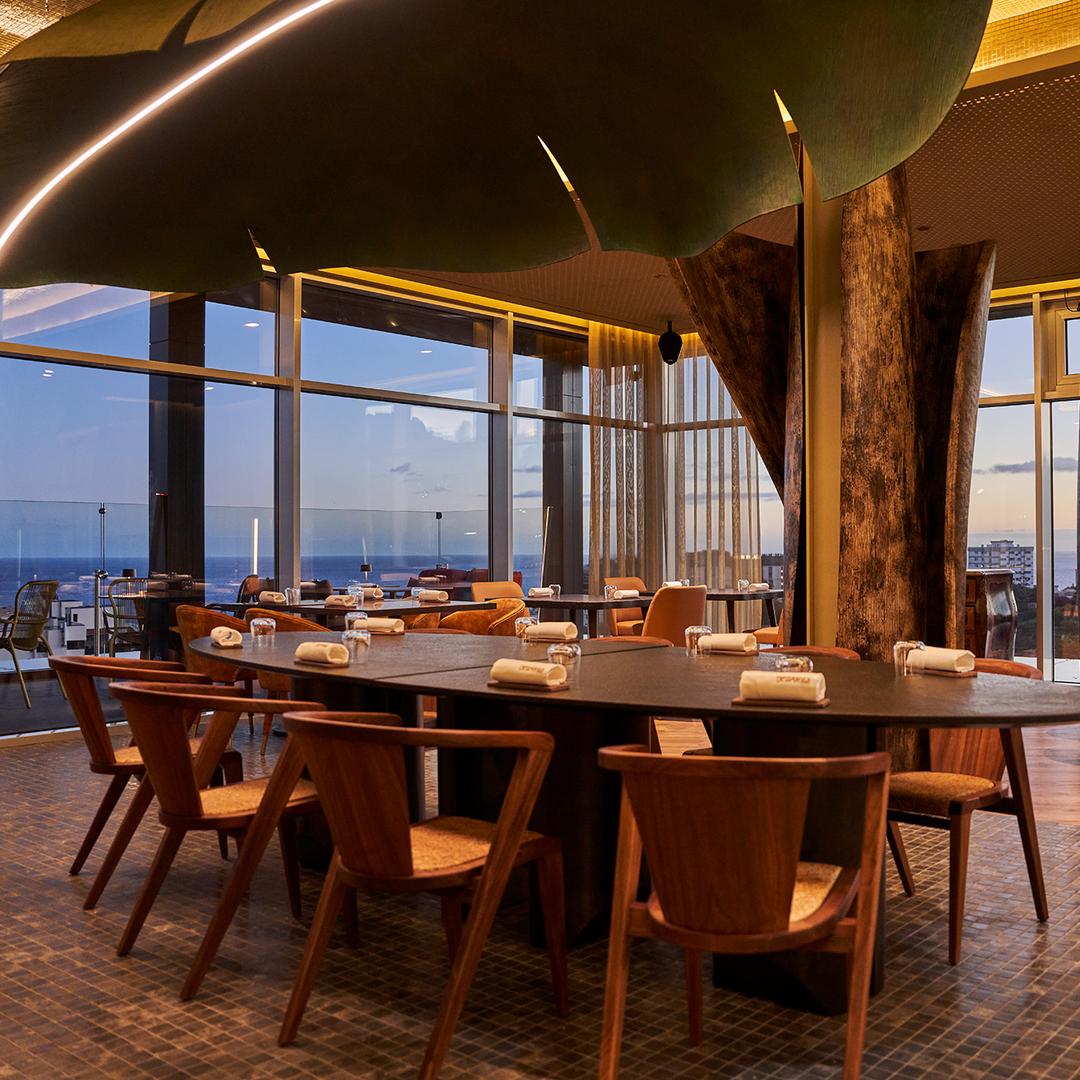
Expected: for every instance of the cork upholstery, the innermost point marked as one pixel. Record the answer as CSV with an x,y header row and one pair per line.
x,y
626,620
813,883
932,792
446,842
242,800
497,623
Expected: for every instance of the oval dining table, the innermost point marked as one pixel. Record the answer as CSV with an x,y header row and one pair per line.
x,y
620,685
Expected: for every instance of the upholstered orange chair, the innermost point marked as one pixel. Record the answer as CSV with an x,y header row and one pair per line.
x,y
967,769
497,623
274,684
637,638
626,620
495,590
426,620
196,622
672,610
771,635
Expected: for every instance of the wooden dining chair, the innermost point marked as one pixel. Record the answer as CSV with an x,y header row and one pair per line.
x,y
497,623
157,714
967,768
79,676
722,839
275,684
196,622
626,620
672,610
496,590
358,765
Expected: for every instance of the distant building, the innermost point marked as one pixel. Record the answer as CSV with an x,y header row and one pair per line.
x,y
1005,555
772,570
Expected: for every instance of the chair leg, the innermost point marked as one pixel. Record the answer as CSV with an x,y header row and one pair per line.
x,y
959,842
249,692
18,671
290,856
695,1006
59,682
351,916
1020,786
549,878
231,772
451,904
859,968
104,812
159,869
268,723
144,795
899,854
321,928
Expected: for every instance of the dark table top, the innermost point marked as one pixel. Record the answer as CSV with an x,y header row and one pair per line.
x,y
732,594
394,608
633,677
582,601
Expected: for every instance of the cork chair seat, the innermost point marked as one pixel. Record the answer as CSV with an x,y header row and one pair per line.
x,y
457,846
967,773
230,807
79,675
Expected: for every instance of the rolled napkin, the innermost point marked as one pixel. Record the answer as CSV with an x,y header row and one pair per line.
x,y
671,584
427,596
386,626
371,592
728,643
332,653
551,631
342,600
267,597
626,594
758,586
527,673
540,591
934,659
225,637
429,580
782,686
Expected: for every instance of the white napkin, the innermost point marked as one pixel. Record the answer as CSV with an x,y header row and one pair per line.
x,y
935,659
626,594
782,685
332,653
429,580
729,643
386,626
672,584
551,631
540,592
758,586
428,596
371,592
226,637
340,600
527,673
267,597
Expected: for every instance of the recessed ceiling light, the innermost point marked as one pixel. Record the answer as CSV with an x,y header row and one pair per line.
x,y
392,323
47,373
425,352
251,325
209,388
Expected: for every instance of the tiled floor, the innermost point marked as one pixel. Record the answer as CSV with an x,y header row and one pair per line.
x,y
70,1008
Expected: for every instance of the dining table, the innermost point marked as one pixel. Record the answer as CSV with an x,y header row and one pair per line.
x,y
618,686
321,612
591,604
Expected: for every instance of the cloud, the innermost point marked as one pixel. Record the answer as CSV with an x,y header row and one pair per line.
x,y
528,494
1061,464
530,469
406,467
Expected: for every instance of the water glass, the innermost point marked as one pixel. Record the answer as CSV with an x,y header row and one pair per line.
x,y
684,581
262,631
292,596
522,624
743,584
569,655
354,588
357,639
556,591
901,650
693,635
356,620
794,663
609,591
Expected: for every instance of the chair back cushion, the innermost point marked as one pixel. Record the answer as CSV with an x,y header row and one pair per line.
x,y
497,623
629,614
673,610
494,590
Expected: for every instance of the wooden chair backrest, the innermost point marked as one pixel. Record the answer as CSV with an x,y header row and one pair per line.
x,y
976,751
494,590
672,610
630,614
77,675
286,622
196,622
158,714
251,586
357,761
837,651
722,835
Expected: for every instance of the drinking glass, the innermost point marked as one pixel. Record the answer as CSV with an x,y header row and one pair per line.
x,y
693,635
684,581
794,663
569,655
556,590
900,652
292,596
522,624
743,584
354,588
609,591
356,620
262,631
357,639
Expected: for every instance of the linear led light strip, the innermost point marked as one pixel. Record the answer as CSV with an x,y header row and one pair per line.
x,y
153,107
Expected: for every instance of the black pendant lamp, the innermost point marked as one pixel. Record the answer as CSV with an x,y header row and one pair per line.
x,y
670,345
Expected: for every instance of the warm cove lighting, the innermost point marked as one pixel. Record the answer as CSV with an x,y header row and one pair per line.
x,y
152,107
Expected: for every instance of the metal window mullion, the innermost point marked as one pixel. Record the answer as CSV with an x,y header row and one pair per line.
x,y
287,434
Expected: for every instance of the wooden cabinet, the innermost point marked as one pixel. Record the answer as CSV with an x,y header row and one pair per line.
x,y
990,615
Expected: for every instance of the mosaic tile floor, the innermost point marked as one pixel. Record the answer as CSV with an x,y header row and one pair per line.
x,y
70,1008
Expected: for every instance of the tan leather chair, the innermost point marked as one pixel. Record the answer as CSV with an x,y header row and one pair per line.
x,y
496,590
771,635
499,623
628,620
672,611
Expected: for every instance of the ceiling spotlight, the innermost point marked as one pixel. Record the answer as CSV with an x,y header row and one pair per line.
x,y
251,325
425,352
670,345
47,373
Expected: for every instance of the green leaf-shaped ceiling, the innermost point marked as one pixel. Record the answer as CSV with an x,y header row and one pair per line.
x,y
406,132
